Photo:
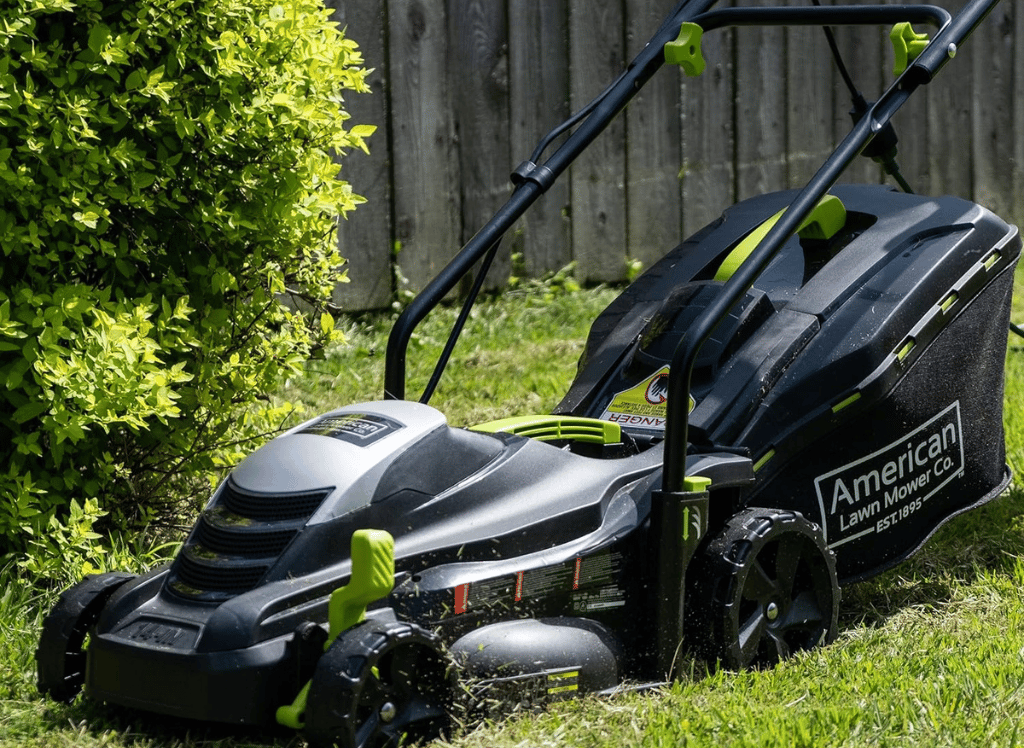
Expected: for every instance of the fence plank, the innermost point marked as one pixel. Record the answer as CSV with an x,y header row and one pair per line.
x,y
653,148
597,189
709,134
364,238
861,48
539,90
948,170
479,60
621,200
993,116
1017,165
760,109
810,135
427,204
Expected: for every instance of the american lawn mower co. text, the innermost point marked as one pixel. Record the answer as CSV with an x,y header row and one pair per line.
x,y
876,492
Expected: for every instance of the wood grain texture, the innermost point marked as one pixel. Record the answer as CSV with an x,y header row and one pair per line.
x,y
709,134
760,109
539,92
862,49
428,203
810,134
598,176
365,236
948,170
992,114
653,148
478,59
464,89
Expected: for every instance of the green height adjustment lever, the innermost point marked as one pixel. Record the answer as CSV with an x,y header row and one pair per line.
x,y
824,222
907,44
685,50
373,576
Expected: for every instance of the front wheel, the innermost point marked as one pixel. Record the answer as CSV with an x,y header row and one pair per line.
x,y
380,683
60,657
769,589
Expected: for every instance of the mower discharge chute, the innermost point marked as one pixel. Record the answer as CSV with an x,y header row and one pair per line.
x,y
794,398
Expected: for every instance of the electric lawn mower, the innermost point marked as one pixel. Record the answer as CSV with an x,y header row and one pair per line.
x,y
794,398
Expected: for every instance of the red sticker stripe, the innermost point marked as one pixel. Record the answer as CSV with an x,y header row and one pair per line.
x,y
576,575
461,598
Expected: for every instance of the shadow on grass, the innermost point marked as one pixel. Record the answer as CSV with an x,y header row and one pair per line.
x,y
145,730
987,539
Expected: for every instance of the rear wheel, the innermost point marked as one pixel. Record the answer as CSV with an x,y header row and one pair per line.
x,y
60,658
379,684
769,589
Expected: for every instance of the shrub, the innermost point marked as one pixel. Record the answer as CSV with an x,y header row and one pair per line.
x,y
166,170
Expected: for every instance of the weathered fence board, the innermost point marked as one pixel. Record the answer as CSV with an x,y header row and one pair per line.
x,y
479,72
464,89
709,134
653,148
365,236
992,144
427,204
598,207
539,92
810,91
760,109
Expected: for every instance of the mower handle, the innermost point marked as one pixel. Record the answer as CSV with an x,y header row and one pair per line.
x,y
951,34
533,180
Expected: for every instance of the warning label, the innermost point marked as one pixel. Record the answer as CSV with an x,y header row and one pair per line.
x,y
642,406
605,598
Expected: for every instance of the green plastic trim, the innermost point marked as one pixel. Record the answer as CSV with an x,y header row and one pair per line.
x,y
907,44
685,51
764,460
373,576
843,404
824,222
548,428
696,483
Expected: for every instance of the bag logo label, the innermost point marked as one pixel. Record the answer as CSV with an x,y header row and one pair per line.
x,y
875,493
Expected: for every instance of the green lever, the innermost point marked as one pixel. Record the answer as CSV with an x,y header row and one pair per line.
x,y
824,222
907,44
685,50
373,576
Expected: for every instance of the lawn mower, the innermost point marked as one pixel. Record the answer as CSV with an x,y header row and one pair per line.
x,y
794,398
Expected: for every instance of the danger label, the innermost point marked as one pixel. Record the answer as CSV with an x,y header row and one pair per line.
x,y
878,491
642,406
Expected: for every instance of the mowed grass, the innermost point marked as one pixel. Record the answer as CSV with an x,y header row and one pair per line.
x,y
929,654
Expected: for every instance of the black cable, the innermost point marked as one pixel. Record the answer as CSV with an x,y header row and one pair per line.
x,y
453,336
882,148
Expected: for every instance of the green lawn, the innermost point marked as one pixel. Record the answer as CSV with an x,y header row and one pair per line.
x,y
931,653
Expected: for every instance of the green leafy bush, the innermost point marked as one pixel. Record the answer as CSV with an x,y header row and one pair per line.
x,y
166,171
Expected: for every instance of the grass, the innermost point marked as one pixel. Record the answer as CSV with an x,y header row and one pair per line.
x,y
931,653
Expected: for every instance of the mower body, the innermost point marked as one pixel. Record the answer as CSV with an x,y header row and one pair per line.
x,y
812,399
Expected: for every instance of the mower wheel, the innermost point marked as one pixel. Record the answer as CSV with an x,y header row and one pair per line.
x,y
60,658
769,589
379,683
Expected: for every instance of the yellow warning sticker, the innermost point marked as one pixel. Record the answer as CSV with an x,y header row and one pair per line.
x,y
642,406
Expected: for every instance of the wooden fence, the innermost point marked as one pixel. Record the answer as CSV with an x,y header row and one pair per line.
x,y
464,89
